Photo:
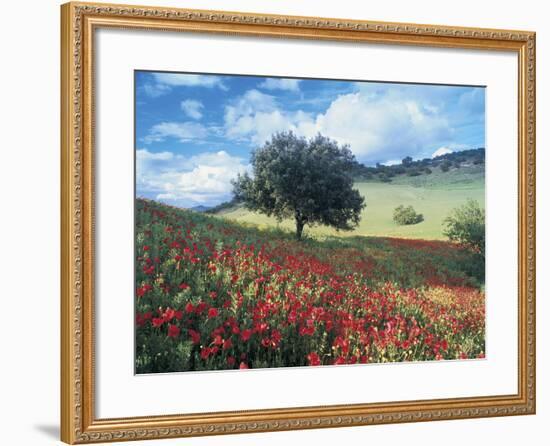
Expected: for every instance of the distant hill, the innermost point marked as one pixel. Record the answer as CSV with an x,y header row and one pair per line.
x,y
432,186
472,158
201,208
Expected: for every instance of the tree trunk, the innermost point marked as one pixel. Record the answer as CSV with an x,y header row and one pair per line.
x,y
299,226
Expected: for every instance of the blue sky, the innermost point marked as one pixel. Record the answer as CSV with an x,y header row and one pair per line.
x,y
194,133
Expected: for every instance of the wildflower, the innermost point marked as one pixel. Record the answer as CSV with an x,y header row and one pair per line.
x,y
245,334
173,331
195,336
205,352
313,359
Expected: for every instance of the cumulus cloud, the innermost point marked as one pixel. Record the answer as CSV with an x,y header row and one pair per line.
x,y
203,179
145,155
182,131
281,84
376,126
441,151
392,162
162,83
192,108
382,126
255,116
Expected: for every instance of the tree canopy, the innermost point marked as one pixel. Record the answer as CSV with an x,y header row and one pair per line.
x,y
466,225
308,180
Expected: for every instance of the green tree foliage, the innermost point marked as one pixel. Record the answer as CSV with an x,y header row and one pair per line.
x,y
406,215
410,167
310,181
445,166
407,161
466,225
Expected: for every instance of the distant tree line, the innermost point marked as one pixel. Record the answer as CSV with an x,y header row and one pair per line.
x,y
413,168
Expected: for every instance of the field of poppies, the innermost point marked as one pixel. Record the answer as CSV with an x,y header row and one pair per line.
x,y
214,295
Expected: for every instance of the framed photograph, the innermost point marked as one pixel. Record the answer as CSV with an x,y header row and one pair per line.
x,y
275,223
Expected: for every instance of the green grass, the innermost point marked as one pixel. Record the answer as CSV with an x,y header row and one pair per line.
x,y
433,195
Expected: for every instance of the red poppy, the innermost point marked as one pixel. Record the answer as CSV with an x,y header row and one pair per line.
x,y
158,321
173,331
201,306
243,365
183,286
230,361
245,334
227,344
195,336
189,308
149,269
313,359
169,314
205,352
275,337
212,312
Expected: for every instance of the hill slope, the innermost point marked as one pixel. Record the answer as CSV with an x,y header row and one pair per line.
x,y
213,295
433,195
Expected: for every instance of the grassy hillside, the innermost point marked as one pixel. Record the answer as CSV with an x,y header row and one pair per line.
x,y
433,195
213,295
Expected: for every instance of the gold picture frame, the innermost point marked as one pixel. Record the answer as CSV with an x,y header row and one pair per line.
x,y
78,23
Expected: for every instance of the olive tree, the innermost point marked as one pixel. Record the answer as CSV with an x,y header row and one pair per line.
x,y
309,181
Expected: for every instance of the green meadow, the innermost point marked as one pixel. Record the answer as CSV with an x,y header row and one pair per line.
x,y
433,195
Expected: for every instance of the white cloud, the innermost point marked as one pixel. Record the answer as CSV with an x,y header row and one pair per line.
x,y
189,80
376,126
192,108
381,126
252,116
182,131
164,82
255,116
392,162
145,155
281,84
441,151
155,90
203,179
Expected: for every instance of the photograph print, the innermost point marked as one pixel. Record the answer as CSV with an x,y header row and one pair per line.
x,y
284,222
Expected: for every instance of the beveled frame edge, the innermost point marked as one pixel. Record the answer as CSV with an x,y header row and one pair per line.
x,y
78,21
